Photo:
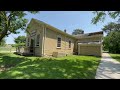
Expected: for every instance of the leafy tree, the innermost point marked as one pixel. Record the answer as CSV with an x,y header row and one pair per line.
x,y
111,27
18,44
112,40
11,21
78,31
2,43
100,15
13,45
20,39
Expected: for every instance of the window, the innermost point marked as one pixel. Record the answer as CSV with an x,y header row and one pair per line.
x,y
38,40
59,42
33,33
28,41
69,44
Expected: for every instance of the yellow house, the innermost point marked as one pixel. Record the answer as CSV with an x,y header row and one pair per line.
x,y
46,40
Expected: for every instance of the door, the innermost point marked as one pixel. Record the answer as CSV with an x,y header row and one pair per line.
x,y
32,46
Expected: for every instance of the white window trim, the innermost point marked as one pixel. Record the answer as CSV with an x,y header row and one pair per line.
x,y
28,44
58,36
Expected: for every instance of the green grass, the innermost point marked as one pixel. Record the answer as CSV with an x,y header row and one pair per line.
x,y
7,49
116,56
69,67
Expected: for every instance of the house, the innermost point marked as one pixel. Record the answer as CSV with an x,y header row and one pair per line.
x,y
46,40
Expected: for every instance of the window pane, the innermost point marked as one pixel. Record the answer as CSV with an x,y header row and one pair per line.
x,y
59,42
38,40
69,44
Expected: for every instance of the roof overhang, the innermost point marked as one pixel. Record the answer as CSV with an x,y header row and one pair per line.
x,y
53,28
89,44
95,36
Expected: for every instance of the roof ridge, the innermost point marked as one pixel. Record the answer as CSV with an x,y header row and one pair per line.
x,y
52,27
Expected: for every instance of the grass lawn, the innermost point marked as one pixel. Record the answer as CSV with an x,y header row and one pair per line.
x,y
116,56
69,67
7,49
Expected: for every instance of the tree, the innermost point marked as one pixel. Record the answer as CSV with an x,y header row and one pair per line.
x,y
11,21
20,39
78,31
100,15
19,42
111,27
112,40
106,43
2,43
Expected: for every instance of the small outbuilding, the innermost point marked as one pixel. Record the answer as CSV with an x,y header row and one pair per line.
x,y
90,44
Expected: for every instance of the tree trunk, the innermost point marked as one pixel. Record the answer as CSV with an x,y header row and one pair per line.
x,y
3,34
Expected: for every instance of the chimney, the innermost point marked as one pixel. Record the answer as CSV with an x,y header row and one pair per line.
x,y
65,30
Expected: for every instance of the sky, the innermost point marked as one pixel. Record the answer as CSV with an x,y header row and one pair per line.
x,y
68,20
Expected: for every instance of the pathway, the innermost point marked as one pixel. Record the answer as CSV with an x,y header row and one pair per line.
x,y
109,68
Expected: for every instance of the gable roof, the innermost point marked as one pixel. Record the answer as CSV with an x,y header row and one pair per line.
x,y
52,28
87,35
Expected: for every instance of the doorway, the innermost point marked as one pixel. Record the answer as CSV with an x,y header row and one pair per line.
x,y
32,46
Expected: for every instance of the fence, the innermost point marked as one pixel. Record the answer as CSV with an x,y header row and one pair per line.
x,y
7,49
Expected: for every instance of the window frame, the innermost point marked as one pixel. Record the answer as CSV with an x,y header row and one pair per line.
x,y
60,41
69,44
28,41
37,41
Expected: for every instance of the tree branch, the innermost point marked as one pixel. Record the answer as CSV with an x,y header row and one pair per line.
x,y
4,32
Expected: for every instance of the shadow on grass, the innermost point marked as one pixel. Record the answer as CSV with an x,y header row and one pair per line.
x,y
8,61
48,68
116,57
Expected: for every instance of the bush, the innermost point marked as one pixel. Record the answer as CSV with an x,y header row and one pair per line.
x,y
112,42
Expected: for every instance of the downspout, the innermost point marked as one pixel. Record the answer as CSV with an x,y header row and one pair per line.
x,y
43,42
65,44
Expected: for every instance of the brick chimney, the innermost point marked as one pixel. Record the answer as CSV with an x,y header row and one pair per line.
x,y
65,30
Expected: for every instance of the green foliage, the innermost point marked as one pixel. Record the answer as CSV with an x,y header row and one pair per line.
x,y
112,40
101,15
106,43
18,44
20,39
11,21
78,31
69,67
111,27
13,45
